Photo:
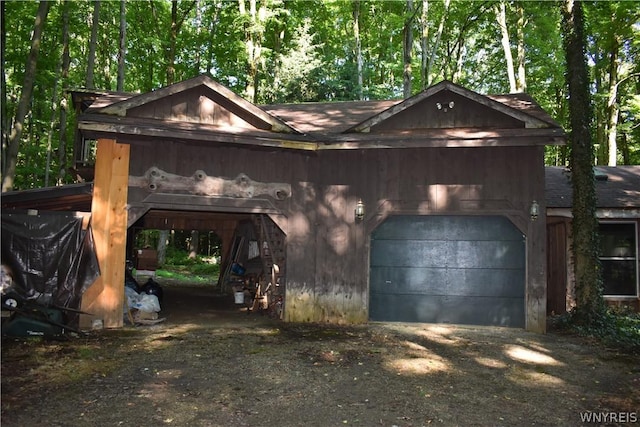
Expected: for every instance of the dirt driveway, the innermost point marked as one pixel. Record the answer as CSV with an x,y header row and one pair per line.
x,y
210,364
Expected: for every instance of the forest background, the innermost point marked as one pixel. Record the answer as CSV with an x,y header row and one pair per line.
x,y
286,51
579,59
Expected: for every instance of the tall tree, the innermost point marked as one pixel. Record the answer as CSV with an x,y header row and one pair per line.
x,y
91,57
501,16
64,76
62,71
522,22
358,49
3,86
424,43
407,49
8,175
122,47
178,15
589,300
254,21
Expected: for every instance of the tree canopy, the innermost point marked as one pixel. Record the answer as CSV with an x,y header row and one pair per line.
x,y
277,51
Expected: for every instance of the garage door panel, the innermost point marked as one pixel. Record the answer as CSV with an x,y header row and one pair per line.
x,y
394,280
447,281
438,253
410,253
486,254
486,282
451,309
451,269
448,228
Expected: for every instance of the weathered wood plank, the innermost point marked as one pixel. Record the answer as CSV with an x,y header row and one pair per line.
x,y
104,299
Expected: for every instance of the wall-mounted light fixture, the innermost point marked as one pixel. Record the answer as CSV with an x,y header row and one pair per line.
x,y
445,107
359,210
534,210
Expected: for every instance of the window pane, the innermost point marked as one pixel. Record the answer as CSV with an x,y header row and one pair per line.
x,y
617,240
619,277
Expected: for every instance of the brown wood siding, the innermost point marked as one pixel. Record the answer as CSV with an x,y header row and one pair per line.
x,y
190,106
327,251
464,114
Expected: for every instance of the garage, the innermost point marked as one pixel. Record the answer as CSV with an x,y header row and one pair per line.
x,y
448,269
437,189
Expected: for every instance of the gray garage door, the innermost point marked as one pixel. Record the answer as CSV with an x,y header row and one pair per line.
x,y
448,269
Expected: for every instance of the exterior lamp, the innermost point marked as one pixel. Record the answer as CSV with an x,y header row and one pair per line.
x,y
359,211
534,210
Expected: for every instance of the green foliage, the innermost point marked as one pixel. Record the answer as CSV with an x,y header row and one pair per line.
x,y
307,53
615,327
179,266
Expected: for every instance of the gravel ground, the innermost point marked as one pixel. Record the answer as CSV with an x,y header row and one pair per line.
x,y
211,364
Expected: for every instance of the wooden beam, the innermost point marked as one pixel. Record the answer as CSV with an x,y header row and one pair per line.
x,y
138,130
105,298
130,132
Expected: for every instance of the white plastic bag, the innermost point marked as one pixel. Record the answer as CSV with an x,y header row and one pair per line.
x,y
142,302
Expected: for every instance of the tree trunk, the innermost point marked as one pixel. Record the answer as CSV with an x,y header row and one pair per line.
x,y
52,126
54,96
407,48
8,177
612,104
198,61
501,16
91,59
176,24
66,60
521,85
424,43
436,43
163,239
253,44
3,88
193,244
358,49
173,38
589,301
624,149
122,49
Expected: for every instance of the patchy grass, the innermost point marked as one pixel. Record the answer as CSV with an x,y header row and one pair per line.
x,y
58,364
188,274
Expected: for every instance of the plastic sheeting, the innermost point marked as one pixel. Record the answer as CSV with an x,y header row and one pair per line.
x,y
50,258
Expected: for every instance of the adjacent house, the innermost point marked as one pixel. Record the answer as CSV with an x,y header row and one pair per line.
x,y
618,211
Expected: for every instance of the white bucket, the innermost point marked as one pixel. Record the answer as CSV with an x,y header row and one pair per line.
x,y
239,297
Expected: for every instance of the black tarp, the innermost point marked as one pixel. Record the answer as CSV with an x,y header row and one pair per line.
x,y
49,257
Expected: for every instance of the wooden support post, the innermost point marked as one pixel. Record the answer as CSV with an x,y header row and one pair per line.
x,y
105,298
536,295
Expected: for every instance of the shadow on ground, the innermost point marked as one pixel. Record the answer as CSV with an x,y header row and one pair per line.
x,y
211,364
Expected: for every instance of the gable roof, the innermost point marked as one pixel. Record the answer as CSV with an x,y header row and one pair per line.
x,y
509,120
220,94
617,187
530,121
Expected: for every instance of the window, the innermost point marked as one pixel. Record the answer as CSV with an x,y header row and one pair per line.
x,y
619,258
